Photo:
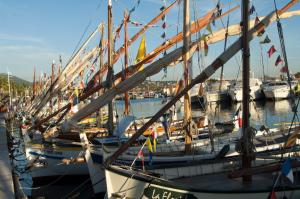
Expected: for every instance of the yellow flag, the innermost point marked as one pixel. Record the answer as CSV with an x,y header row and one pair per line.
x,y
149,145
141,53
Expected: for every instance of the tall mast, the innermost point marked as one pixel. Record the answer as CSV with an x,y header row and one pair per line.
x,y
186,69
9,89
51,82
58,74
101,61
110,67
246,158
34,84
126,112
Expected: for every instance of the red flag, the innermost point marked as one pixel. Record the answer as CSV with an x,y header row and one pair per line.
x,y
271,51
272,195
164,25
141,156
262,31
278,60
205,48
284,69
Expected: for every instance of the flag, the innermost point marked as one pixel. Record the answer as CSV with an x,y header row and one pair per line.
x,y
154,138
287,171
271,51
205,48
141,53
164,25
252,10
261,32
163,35
148,142
284,69
208,28
141,156
213,19
266,40
82,85
278,60
272,195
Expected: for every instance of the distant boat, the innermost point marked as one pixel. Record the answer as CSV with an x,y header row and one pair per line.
x,y
278,90
235,90
215,94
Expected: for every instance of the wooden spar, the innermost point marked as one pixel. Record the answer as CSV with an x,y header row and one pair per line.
x,y
60,79
101,61
246,152
126,17
187,75
34,84
110,67
208,72
119,52
233,30
51,82
55,87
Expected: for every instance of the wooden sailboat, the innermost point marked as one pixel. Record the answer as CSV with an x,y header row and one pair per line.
x,y
192,182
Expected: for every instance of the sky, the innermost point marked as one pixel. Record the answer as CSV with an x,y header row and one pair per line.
x,y
33,33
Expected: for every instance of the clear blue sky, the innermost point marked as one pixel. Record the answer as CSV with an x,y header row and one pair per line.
x,y
34,32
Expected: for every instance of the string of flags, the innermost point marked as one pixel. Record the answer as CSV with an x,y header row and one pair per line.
x,y
267,40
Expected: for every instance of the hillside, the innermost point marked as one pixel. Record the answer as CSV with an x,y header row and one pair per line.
x,y
17,84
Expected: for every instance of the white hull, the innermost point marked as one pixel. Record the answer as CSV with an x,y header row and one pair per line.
x,y
277,93
132,184
49,162
236,95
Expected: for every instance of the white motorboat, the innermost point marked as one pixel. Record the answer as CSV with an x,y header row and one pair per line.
x,y
278,90
236,90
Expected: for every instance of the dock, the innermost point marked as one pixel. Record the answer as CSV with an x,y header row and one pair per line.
x,y
6,178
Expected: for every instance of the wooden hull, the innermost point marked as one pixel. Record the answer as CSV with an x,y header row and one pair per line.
x,y
132,184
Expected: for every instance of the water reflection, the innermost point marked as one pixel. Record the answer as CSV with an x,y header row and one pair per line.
x,y
268,113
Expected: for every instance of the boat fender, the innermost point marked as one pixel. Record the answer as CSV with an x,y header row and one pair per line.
x,y
223,151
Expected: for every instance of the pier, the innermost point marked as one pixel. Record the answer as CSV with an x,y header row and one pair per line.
x,y
6,179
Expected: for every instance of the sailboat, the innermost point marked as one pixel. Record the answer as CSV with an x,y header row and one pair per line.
x,y
192,180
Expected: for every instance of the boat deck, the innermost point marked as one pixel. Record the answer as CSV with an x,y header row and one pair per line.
x,y
220,182
6,179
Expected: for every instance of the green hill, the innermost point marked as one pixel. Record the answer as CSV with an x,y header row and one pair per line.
x,y
17,84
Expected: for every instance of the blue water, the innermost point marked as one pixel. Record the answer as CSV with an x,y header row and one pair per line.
x,y
269,113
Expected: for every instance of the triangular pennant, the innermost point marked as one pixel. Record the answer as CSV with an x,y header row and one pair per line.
x,y
252,10
213,19
162,8
284,69
163,35
278,60
164,25
257,21
208,28
205,48
163,17
266,40
271,51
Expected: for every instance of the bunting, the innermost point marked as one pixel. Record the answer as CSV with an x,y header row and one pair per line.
x,y
278,60
252,10
271,51
141,53
208,28
205,48
266,40
284,69
257,21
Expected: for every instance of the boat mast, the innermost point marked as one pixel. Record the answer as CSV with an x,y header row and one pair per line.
x,y
246,153
187,75
101,61
34,84
9,91
126,16
110,67
58,74
51,82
